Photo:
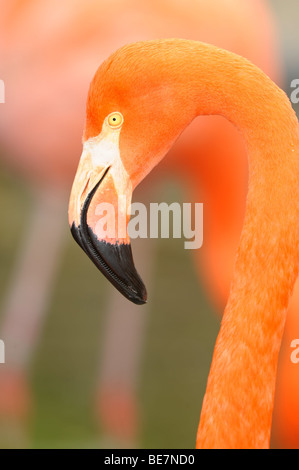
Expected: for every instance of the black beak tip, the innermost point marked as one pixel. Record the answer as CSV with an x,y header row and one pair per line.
x,y
140,298
115,261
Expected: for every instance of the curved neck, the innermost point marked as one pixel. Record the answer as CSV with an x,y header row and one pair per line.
x,y
238,404
199,79
192,79
160,87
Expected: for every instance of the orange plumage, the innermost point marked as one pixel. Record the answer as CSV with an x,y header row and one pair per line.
x,y
160,87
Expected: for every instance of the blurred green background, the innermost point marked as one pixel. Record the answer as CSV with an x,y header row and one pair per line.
x,y
179,340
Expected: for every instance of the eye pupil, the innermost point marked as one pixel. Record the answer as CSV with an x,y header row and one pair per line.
x,y
115,120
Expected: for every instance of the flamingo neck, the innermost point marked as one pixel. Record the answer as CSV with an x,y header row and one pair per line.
x,y
237,408
174,81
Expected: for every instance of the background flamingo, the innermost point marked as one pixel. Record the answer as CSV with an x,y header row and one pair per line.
x,y
27,152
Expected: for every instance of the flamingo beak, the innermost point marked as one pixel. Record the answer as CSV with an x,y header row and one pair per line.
x,y
112,255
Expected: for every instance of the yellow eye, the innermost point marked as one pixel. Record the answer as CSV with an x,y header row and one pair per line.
x,y
115,120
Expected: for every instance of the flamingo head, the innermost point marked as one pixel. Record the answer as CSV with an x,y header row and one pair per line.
x,y
133,116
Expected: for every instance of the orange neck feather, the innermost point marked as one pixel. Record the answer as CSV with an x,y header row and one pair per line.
x,y
171,82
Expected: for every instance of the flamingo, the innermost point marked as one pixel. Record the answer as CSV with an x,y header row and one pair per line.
x,y
49,163
139,102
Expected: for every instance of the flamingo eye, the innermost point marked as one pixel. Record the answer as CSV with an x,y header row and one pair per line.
x,y
115,120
